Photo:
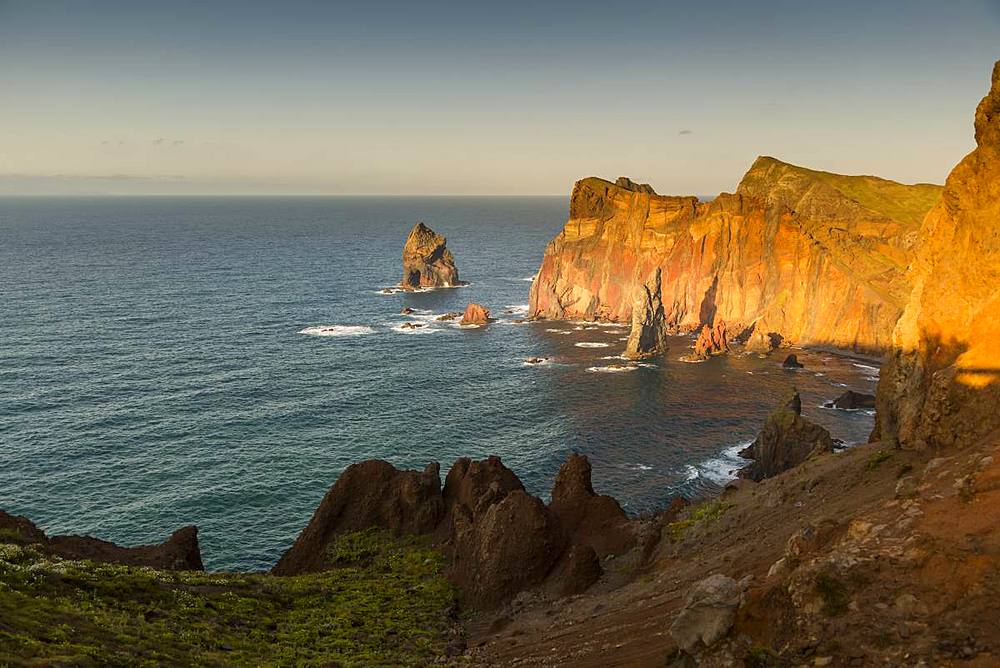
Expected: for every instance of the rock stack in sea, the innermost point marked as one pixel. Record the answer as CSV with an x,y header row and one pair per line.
x,y
649,335
427,262
786,441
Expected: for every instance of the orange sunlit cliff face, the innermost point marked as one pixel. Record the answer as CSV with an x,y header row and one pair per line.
x,y
794,256
942,384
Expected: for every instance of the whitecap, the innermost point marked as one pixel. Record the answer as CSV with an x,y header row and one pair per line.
x,y
866,367
403,329
337,330
529,279
636,467
721,468
613,357
591,344
611,369
516,308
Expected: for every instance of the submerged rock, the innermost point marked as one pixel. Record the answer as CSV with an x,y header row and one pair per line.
x,y
427,262
786,441
476,314
649,334
451,315
852,400
180,552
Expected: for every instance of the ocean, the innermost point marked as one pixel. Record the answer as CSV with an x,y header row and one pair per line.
x,y
163,362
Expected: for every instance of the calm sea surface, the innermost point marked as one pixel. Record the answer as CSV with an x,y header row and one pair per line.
x,y
153,372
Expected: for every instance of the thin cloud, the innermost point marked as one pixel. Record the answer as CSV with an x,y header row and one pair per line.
x,y
686,132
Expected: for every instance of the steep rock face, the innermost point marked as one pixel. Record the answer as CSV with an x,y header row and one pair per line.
x,y
589,518
786,441
941,384
427,262
802,256
372,493
648,336
180,552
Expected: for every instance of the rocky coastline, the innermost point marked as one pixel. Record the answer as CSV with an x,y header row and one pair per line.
x,y
887,553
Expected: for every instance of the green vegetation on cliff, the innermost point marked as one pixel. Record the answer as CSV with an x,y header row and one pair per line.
x,y
387,604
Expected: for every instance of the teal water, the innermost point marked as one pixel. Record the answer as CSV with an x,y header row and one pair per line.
x,y
153,373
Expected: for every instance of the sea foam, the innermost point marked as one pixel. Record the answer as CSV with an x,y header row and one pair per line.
x,y
337,330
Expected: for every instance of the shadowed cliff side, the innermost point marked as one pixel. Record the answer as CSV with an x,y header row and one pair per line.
x,y
812,257
941,385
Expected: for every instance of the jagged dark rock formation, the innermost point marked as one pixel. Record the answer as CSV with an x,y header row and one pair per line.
x,y
786,441
499,540
372,493
427,262
180,552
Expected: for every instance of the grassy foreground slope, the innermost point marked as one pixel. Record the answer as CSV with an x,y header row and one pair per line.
x,y
387,604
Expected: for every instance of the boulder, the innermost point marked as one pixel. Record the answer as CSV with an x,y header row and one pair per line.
x,y
708,614
792,362
587,517
180,552
476,314
786,441
852,400
712,341
648,336
427,262
406,311
508,546
372,493
453,315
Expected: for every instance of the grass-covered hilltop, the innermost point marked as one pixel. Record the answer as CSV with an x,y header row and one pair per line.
x,y
385,603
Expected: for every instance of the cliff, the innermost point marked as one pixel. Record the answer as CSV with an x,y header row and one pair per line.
x,y
794,255
941,384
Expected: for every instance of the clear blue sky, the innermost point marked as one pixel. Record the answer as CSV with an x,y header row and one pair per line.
x,y
507,98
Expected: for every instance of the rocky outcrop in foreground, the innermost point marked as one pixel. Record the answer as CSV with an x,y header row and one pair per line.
x,y
941,385
499,540
795,255
427,262
180,552
786,441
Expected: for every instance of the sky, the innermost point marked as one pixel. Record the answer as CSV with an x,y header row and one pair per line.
x,y
415,98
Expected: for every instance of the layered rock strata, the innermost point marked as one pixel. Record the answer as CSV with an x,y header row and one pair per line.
x,y
427,262
941,384
795,255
